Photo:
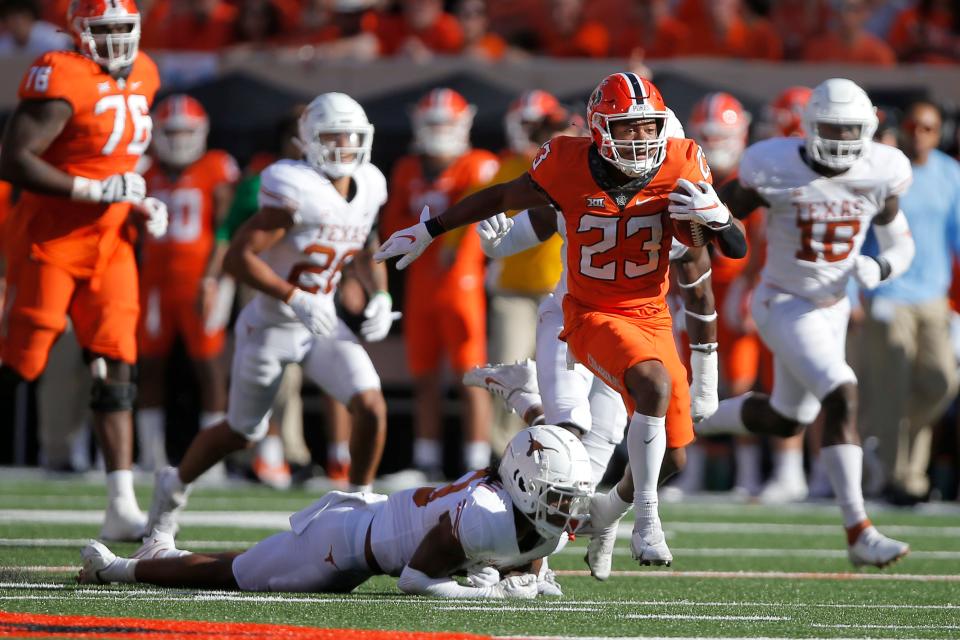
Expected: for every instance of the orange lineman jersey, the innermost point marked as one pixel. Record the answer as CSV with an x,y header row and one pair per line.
x,y
177,260
107,133
410,191
617,252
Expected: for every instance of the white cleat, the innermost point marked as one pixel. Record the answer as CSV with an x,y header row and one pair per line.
x,y
504,380
547,585
169,498
650,548
123,521
96,557
159,544
784,491
873,549
600,551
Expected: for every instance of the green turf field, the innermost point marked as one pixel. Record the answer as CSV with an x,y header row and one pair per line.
x,y
740,571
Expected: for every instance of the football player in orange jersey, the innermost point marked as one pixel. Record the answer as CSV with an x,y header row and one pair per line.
x,y
445,304
197,186
71,147
614,191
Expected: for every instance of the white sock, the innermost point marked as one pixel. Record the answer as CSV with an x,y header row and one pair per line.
x,y
151,436
691,478
646,445
844,465
609,507
120,486
211,418
360,488
600,450
727,419
120,570
270,450
340,451
788,465
476,454
522,401
427,454
747,457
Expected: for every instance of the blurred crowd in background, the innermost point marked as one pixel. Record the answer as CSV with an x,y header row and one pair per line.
x,y
880,32
461,310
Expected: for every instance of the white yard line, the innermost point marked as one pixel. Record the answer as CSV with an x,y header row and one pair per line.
x,y
80,542
781,575
914,627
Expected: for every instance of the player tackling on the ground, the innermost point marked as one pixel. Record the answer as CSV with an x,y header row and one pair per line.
x,y
489,522
822,192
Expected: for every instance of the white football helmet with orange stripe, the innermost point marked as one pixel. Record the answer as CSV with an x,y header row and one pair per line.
x,y
627,96
335,135
527,111
441,123
719,123
106,31
180,131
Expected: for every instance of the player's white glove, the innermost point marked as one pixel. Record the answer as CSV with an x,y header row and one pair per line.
x,y
155,216
703,386
522,586
867,272
409,242
699,204
315,312
547,585
493,230
483,577
379,317
120,187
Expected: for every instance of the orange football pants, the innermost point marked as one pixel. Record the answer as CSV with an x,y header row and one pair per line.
x,y
164,317
610,343
41,295
437,323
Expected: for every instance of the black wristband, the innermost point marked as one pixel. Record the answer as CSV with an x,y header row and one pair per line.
x,y
732,242
434,227
885,268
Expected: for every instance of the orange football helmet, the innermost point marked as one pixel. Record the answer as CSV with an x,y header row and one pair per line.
x,y
528,112
106,31
627,96
180,131
784,116
719,123
441,123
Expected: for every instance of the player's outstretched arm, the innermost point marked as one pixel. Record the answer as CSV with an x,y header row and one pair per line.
x,y
439,556
263,230
501,236
696,289
409,243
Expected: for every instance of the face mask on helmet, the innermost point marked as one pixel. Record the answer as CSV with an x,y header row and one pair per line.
x,y
180,147
839,123
635,144
546,472
442,139
110,39
334,135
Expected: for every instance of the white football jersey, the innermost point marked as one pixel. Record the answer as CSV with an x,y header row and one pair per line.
x,y
327,230
482,516
815,224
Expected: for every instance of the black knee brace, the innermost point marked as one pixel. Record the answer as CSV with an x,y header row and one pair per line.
x,y
112,389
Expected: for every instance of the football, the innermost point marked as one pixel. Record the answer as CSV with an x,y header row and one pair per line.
x,y
692,234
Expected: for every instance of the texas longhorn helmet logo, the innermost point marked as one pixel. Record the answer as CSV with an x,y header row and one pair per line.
x,y
537,446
